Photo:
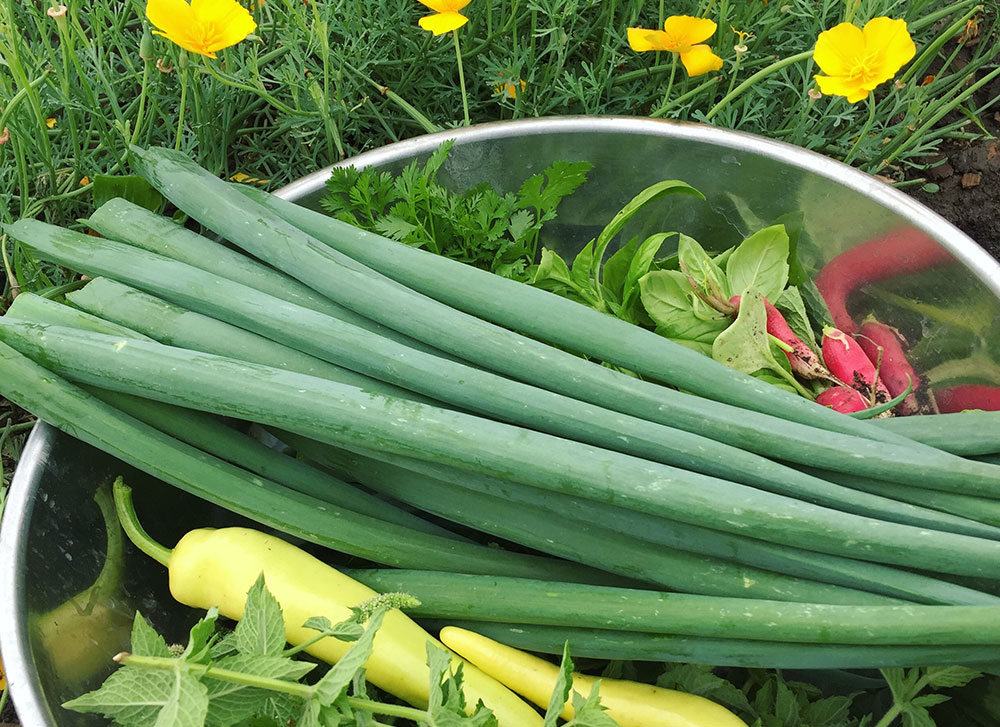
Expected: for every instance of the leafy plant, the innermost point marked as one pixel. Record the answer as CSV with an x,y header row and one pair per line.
x,y
481,227
247,676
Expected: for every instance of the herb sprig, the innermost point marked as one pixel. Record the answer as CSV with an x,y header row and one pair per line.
x,y
247,676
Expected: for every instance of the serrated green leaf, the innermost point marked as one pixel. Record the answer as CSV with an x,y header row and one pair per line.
x,y
786,704
917,717
559,180
902,683
589,712
229,703
698,679
942,677
146,641
187,705
761,262
202,636
930,700
828,712
561,690
349,630
520,224
336,680
261,630
132,697
394,227
309,716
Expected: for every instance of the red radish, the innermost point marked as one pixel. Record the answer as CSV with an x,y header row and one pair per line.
x,y
969,396
802,359
879,340
849,363
899,252
842,398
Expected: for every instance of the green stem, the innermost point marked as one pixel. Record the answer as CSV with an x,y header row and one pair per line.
x,y
864,130
142,103
295,689
889,717
762,73
428,125
180,114
214,73
461,78
931,50
670,85
945,109
130,524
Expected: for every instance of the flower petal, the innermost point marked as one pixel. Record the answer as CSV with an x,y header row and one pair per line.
x,y
890,39
444,6
642,39
839,49
842,86
442,22
686,30
700,59
171,17
224,22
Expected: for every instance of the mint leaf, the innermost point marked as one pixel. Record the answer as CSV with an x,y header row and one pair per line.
x,y
349,630
761,262
335,681
261,630
230,703
145,639
187,704
132,697
199,648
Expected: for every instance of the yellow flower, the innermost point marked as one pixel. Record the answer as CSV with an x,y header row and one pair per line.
x,y
682,35
856,60
204,26
50,122
509,87
446,16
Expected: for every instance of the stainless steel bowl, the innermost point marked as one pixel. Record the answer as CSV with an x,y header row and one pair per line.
x,y
52,541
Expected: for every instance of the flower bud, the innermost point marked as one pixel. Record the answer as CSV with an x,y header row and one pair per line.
x,y
146,46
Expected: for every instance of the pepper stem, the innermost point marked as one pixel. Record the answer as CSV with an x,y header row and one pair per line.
x,y
130,524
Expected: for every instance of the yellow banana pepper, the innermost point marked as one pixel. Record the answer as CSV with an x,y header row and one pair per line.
x,y
630,704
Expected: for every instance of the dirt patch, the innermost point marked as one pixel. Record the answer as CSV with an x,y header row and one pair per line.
x,y
968,195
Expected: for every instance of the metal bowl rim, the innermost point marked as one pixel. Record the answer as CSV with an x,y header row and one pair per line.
x,y
31,706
